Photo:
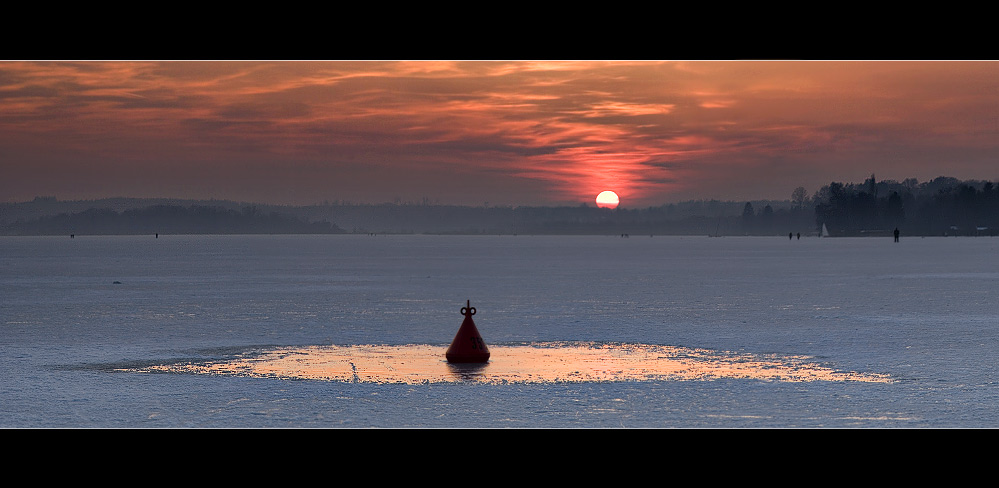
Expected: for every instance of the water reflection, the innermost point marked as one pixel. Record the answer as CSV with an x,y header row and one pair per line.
x,y
468,371
531,363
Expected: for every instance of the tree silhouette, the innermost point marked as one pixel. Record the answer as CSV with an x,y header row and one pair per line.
x,y
799,196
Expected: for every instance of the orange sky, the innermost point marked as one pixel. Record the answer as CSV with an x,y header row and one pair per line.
x,y
506,133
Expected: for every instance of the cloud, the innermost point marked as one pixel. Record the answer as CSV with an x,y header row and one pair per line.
x,y
649,130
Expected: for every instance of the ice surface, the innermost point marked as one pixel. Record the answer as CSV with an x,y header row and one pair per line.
x,y
922,312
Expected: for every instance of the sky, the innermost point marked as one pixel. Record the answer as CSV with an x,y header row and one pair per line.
x,y
514,133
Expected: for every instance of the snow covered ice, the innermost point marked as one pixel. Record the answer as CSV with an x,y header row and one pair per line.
x,y
254,331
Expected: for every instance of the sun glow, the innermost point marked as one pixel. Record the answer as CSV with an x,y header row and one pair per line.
x,y
607,199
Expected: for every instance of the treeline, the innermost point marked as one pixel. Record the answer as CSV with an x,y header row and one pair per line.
x,y
769,221
168,219
944,206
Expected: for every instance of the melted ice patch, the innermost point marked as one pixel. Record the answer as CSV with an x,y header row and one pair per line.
x,y
533,363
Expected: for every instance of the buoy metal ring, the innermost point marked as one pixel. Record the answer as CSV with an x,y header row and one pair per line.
x,y
468,310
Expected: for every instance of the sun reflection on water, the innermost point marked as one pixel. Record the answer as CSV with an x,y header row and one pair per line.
x,y
531,363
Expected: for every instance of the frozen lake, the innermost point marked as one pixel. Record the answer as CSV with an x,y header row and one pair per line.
x,y
336,331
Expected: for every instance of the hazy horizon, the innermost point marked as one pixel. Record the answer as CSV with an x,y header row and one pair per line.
x,y
497,133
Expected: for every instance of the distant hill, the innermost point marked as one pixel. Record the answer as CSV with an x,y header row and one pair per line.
x,y
167,219
50,216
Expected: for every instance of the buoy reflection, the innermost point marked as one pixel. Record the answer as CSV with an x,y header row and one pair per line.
x,y
534,363
467,371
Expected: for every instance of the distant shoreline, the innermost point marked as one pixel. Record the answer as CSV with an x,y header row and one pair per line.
x,y
943,206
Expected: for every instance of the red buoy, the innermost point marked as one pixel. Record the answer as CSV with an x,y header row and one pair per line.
x,y
467,346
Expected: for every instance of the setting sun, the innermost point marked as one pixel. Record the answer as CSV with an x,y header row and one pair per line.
x,y
607,199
